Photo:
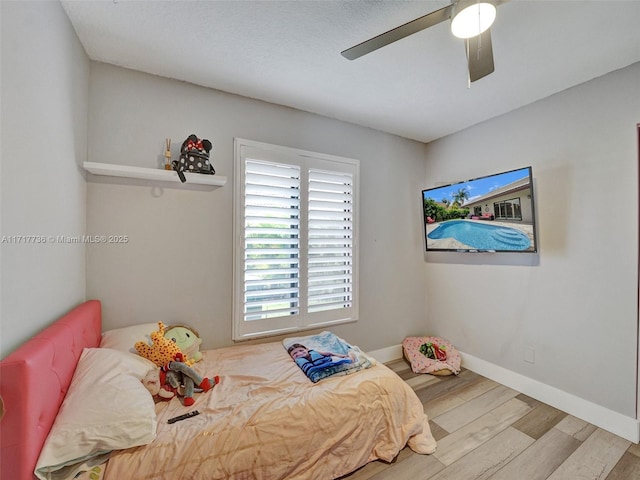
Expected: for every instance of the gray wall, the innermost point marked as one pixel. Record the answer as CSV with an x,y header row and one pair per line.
x,y
45,77
575,303
177,265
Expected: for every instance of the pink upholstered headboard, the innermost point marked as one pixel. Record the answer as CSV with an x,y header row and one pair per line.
x,y
33,382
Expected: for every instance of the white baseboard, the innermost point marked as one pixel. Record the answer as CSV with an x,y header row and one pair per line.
x,y
614,422
387,354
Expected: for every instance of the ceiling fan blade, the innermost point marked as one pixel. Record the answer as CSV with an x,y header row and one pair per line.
x,y
479,55
398,33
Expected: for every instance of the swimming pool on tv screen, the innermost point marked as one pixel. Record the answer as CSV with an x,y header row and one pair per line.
x,y
481,235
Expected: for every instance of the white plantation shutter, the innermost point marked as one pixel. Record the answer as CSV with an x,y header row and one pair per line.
x,y
295,248
271,240
330,241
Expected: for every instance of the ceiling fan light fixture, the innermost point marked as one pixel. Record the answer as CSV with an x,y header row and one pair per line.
x,y
472,17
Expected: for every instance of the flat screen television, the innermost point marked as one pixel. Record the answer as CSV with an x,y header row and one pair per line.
x,y
495,213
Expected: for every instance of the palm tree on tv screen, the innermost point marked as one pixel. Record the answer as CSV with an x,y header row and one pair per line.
x,y
460,196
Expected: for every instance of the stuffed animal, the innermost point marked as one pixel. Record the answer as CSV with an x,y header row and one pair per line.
x,y
187,338
162,350
157,387
179,374
176,378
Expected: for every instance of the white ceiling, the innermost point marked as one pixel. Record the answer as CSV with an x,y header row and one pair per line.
x,y
288,52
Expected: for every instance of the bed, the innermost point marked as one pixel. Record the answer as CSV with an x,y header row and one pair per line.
x,y
264,420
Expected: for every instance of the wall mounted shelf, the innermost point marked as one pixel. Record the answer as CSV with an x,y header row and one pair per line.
x,y
156,174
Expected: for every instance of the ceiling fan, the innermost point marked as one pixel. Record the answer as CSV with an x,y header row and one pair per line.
x,y
470,20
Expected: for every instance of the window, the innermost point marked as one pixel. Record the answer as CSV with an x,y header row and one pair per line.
x,y
295,240
508,209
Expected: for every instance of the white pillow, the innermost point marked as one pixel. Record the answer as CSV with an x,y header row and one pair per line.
x,y
106,408
124,339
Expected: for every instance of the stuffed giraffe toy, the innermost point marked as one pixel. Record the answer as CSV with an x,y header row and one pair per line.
x,y
162,350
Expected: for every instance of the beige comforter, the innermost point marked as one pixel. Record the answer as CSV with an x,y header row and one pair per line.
x,y
267,420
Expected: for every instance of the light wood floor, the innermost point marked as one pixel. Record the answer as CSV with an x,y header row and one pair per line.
x,y
488,431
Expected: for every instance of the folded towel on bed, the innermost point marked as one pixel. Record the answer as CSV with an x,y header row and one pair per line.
x,y
325,354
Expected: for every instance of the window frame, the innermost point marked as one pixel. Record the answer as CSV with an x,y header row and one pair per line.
x,y
259,151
